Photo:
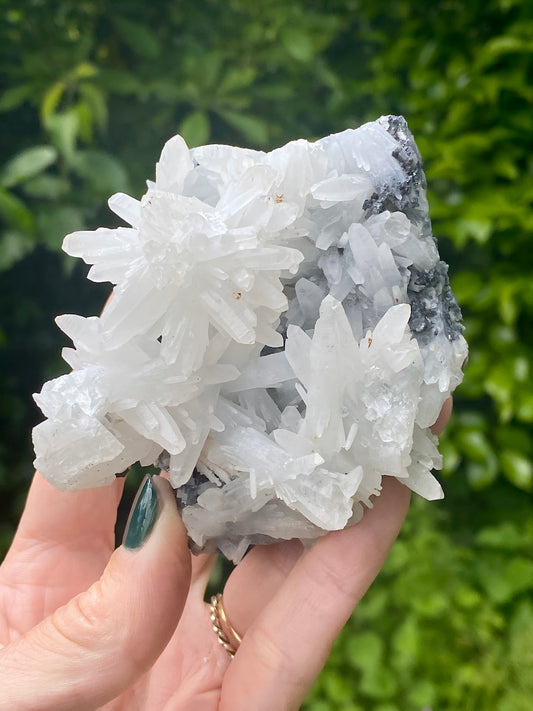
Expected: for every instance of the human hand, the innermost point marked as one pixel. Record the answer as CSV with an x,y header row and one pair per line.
x,y
85,627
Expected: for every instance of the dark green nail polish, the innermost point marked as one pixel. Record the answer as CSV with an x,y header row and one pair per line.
x,y
142,516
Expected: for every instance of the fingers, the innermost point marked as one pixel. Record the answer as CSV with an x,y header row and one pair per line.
x,y
444,416
288,643
62,545
53,516
263,571
97,645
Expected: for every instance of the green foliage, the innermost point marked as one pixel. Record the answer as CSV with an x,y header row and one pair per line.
x,y
448,624
91,90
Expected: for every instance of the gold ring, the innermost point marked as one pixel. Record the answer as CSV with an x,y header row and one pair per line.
x,y
228,637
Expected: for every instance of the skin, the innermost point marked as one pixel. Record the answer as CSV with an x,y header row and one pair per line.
x,y
84,626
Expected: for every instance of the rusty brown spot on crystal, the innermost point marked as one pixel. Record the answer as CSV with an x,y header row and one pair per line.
x,y
369,341
237,295
279,198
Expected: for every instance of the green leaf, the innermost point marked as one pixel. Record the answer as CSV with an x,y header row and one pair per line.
x,y
63,128
524,411
85,121
51,100
298,43
49,187
480,476
478,230
15,212
379,684
406,643
466,285
14,96
499,383
14,246
503,582
518,469
138,37
237,78
54,223
120,82
423,694
365,651
103,171
338,687
253,129
505,536
95,100
498,46
84,70
195,128
26,164
475,445
521,649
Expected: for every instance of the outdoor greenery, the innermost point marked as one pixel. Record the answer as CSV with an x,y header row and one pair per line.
x,y
91,89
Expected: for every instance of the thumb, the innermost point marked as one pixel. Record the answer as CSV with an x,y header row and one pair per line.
x,y
97,645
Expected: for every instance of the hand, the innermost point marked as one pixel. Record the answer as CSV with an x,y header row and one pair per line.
x,y
86,627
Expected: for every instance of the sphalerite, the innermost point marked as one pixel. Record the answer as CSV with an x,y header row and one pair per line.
x,y
282,335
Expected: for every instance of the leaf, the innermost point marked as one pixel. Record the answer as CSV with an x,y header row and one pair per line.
x,y
26,164
95,100
63,128
84,70
505,536
480,476
103,171
475,445
499,383
85,121
51,100
120,82
518,469
521,649
498,46
339,689
298,43
138,37
379,684
237,78
195,128
49,187
478,230
14,96
252,128
365,651
466,285
406,643
503,582
13,247
55,222
15,212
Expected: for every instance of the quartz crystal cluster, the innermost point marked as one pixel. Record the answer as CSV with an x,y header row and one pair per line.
x,y
281,336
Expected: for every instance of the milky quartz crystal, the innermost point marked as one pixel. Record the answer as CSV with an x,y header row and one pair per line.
x,y
281,336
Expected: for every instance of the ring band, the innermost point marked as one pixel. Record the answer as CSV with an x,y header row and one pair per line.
x,y
228,637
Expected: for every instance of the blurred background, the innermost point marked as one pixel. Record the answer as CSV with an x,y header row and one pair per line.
x,y
90,91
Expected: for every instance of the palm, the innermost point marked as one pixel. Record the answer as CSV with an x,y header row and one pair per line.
x,y
64,543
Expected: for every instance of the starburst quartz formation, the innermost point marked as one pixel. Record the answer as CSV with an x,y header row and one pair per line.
x,y
282,335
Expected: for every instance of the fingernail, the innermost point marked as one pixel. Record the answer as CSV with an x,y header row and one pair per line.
x,y
143,515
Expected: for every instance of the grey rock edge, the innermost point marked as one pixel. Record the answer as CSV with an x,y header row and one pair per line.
x,y
282,336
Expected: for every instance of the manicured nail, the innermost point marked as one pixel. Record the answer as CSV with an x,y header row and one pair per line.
x,y
143,515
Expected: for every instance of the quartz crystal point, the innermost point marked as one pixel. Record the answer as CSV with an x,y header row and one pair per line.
x,y
282,335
